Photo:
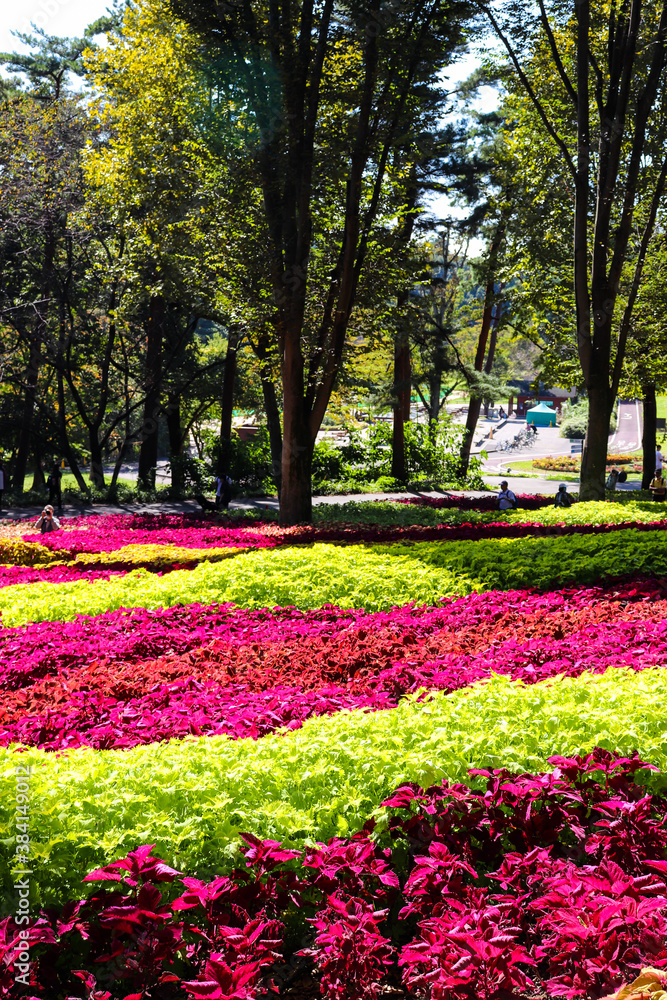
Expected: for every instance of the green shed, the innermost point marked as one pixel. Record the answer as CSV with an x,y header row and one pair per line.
x,y
542,415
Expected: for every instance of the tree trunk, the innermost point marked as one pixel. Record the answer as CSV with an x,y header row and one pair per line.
x,y
594,455
401,408
227,406
487,316
475,404
117,467
648,438
274,429
175,444
34,361
96,462
38,478
434,390
149,428
296,504
29,397
474,407
65,446
493,340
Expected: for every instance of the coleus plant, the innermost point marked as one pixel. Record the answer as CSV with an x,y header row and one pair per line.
x,y
240,683
578,928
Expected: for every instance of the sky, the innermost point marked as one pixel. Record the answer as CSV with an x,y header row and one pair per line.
x,y
56,17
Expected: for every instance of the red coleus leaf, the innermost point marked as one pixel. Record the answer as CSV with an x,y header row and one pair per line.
x,y
138,866
225,983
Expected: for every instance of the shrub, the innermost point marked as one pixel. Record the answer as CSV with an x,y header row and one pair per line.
x,y
433,457
575,420
328,463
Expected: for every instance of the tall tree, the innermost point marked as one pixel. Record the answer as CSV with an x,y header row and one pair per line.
x,y
483,354
326,93
40,149
593,76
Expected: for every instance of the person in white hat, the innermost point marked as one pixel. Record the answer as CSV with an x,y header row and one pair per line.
x,y
563,498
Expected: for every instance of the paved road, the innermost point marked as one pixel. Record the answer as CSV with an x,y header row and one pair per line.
x,y
547,443
628,433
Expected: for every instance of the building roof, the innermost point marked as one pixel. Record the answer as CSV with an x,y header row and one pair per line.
x,y
524,387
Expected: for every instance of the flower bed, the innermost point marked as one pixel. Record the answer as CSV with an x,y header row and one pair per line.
x,y
415,780
242,682
324,779
567,464
370,576
556,879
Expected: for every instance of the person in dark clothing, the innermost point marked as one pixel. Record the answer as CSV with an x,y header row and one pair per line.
x,y
53,484
206,505
563,498
223,491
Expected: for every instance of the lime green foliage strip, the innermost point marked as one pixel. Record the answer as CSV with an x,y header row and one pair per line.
x,y
192,797
388,512
373,576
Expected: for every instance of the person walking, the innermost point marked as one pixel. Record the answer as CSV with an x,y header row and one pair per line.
x,y
53,483
563,498
223,491
658,486
658,457
506,499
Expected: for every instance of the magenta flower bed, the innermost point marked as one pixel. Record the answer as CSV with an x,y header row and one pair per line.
x,y
242,684
552,884
31,651
99,537
184,707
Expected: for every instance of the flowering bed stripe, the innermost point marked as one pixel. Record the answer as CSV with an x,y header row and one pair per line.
x,y
195,795
41,649
551,878
374,577
245,688
53,573
508,884
97,537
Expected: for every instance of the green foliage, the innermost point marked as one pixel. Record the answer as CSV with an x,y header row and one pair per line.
x,y
363,465
623,508
328,463
192,797
194,474
429,454
353,576
250,462
575,420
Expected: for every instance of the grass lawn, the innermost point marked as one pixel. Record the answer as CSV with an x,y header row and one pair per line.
x,y
68,482
661,411
525,468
